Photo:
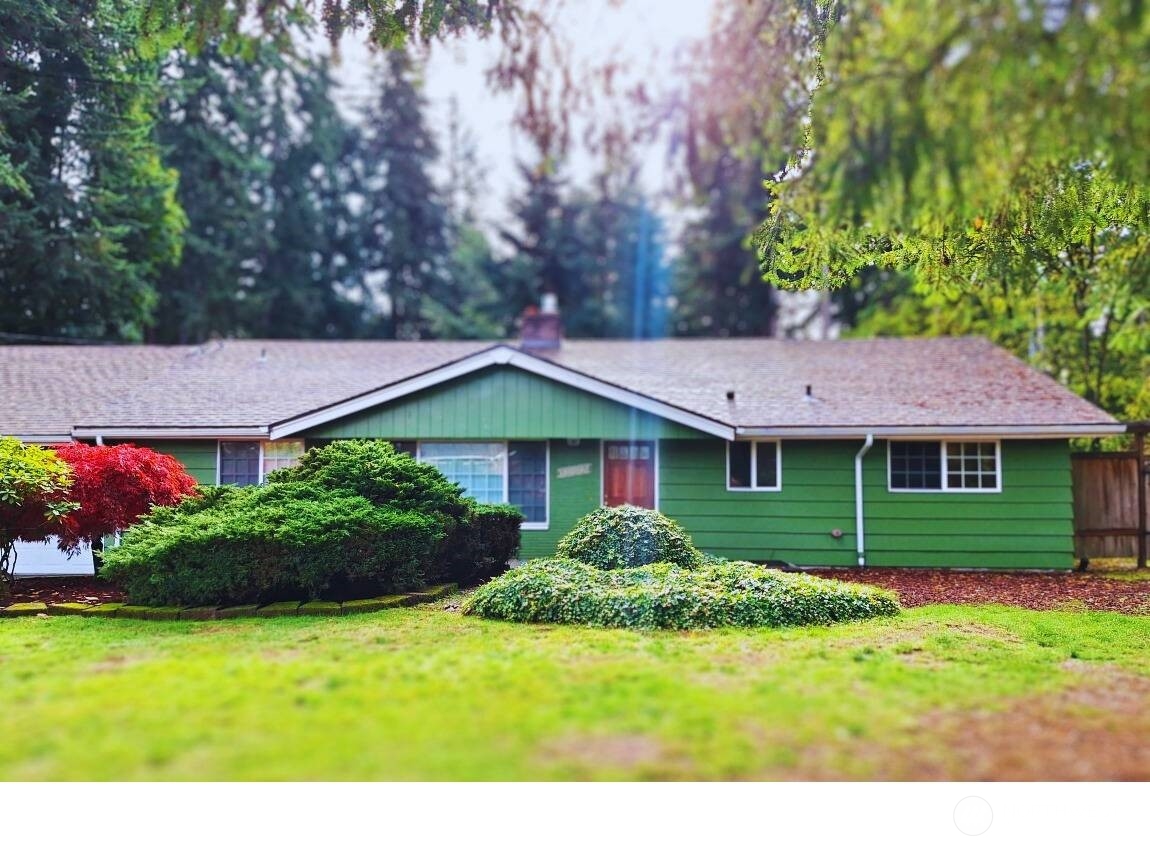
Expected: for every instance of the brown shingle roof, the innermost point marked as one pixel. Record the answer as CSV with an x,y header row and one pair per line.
x,y
864,383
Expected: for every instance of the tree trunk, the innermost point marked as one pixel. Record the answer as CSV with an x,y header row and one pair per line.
x,y
97,555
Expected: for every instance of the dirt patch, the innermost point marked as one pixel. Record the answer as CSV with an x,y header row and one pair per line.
x,y
1094,730
634,754
87,590
1040,591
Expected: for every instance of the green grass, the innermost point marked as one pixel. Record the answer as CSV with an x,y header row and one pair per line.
x,y
421,693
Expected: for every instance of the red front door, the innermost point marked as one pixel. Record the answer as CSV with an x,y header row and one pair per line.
x,y
629,473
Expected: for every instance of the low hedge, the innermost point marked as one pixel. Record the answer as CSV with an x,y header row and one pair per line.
x,y
263,543
374,469
481,545
559,590
624,536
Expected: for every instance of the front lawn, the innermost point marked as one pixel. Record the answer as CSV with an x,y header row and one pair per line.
x,y
970,692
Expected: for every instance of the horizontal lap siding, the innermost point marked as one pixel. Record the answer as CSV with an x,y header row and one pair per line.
x,y
1028,525
502,403
793,524
197,456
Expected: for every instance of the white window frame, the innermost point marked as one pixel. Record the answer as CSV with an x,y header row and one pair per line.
x,y
778,486
264,443
506,443
261,442
946,489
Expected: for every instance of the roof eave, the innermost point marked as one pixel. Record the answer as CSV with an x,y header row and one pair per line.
x,y
500,355
1067,430
169,432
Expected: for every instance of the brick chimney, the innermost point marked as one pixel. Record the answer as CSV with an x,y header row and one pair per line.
x,y
541,329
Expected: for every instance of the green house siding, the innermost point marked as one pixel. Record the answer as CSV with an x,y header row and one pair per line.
x,y
793,525
1028,525
575,488
499,404
197,456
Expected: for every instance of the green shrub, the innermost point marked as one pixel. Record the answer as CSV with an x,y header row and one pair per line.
x,y
375,470
624,536
264,543
480,545
662,595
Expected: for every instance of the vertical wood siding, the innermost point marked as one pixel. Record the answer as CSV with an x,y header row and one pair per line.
x,y
498,404
572,497
197,456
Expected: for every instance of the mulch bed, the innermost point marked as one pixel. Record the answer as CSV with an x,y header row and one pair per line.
x,y
1040,591
1036,590
88,590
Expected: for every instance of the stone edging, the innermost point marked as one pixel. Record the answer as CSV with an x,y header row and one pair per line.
x,y
319,608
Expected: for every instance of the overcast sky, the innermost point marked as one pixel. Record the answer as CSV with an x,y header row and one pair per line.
x,y
647,33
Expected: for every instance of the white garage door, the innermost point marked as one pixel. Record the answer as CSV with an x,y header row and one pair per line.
x,y
40,558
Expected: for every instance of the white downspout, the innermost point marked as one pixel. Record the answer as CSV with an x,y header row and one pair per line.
x,y
860,537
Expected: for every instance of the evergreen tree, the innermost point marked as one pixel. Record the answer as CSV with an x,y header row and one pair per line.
x,y
544,243
88,214
734,120
213,132
471,304
405,243
265,177
308,284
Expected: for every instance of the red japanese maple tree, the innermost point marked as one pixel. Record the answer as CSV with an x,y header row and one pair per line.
x,y
114,486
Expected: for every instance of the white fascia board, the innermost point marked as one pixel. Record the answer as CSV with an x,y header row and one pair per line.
x,y
501,355
949,432
578,380
170,432
475,362
41,438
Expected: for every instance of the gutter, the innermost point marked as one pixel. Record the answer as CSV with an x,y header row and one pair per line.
x,y
860,536
955,432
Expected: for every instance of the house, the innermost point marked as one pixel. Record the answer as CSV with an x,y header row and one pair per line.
x,y
885,452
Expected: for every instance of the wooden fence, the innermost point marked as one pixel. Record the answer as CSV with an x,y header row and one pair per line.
x,y
1112,503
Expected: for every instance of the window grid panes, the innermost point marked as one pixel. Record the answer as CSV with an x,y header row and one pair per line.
x,y
943,465
239,462
527,479
971,465
281,453
477,467
915,465
753,465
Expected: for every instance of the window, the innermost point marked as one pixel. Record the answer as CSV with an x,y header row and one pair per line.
x,y
527,479
971,465
247,462
754,466
943,466
239,462
405,446
281,453
514,473
478,467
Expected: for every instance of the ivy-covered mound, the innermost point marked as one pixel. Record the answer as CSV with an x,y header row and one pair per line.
x,y
623,536
626,566
355,518
663,595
